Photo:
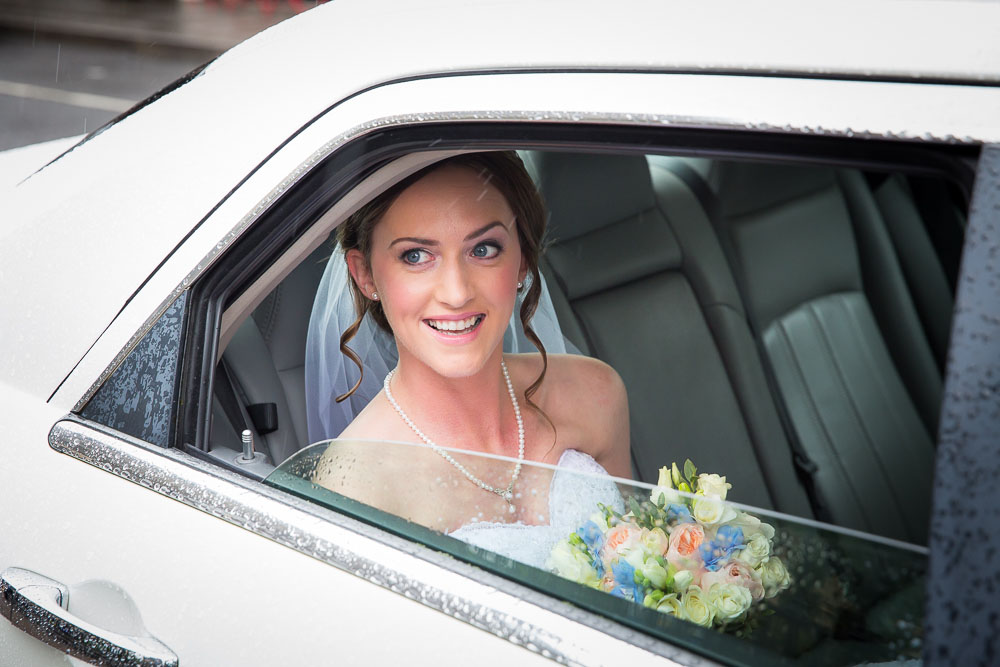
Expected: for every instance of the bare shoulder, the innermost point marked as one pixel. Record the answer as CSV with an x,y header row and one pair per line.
x,y
587,402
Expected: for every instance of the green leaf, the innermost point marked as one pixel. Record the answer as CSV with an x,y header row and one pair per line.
x,y
690,471
634,506
661,502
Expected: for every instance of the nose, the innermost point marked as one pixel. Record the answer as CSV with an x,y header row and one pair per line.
x,y
454,287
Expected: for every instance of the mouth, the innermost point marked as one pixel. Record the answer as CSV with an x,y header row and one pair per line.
x,y
456,327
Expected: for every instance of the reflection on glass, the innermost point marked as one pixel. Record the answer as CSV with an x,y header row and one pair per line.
x,y
765,587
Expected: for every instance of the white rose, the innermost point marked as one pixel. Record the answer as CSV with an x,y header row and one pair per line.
x,y
774,576
729,601
670,496
750,525
670,605
655,572
570,563
713,485
696,608
655,541
664,488
635,556
709,511
756,551
682,579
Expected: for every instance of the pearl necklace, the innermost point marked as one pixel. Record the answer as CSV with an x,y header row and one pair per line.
x,y
507,493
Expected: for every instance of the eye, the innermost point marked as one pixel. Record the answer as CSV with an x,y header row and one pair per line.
x,y
486,250
414,256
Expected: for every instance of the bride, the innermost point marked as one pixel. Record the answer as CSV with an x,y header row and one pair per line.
x,y
439,262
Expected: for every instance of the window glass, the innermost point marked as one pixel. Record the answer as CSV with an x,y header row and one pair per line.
x,y
729,581
138,397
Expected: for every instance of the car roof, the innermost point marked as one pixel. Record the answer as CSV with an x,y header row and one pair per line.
x,y
123,200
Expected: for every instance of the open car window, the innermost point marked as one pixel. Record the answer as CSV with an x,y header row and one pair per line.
x,y
727,580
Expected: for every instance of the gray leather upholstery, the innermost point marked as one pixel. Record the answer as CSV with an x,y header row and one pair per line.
x,y
283,320
925,277
840,331
853,416
655,300
267,356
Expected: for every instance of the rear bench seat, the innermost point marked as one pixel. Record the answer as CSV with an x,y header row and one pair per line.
x,y
644,285
825,289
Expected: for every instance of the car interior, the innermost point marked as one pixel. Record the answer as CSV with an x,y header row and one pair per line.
x,y
785,324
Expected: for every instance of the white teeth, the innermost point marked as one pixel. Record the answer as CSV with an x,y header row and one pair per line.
x,y
454,325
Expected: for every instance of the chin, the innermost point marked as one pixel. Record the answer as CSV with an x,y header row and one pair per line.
x,y
457,366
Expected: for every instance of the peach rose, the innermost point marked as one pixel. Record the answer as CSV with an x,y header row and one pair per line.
x,y
735,572
685,544
619,541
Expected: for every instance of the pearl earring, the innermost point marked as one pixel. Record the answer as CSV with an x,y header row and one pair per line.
x,y
374,296
520,284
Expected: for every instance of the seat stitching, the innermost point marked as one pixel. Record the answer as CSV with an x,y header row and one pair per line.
x,y
866,350
815,414
812,311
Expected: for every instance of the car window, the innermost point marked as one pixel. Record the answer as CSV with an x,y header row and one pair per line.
x,y
784,323
138,397
733,582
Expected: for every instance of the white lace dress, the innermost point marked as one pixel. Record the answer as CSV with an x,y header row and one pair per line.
x,y
572,499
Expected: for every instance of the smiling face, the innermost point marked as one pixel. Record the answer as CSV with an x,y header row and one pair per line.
x,y
445,262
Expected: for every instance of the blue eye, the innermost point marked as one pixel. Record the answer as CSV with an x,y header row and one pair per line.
x,y
414,256
486,250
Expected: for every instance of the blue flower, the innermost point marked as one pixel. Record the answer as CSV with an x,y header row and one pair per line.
x,y
592,536
679,514
625,585
727,540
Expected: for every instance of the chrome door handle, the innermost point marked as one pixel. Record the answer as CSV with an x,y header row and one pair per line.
x,y
37,605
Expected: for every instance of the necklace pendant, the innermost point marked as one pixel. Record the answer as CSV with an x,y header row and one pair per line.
x,y
508,495
510,507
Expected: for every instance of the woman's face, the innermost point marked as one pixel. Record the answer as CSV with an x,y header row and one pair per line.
x,y
445,261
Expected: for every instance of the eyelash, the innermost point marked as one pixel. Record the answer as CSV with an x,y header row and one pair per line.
x,y
490,244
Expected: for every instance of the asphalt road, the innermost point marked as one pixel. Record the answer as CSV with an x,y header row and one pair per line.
x,y
53,87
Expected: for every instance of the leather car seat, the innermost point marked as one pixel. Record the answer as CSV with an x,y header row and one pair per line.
x,y
826,293
650,293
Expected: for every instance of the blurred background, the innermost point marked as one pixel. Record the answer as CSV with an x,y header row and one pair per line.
x,y
69,66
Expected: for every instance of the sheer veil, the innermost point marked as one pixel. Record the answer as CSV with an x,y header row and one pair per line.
x,y
329,373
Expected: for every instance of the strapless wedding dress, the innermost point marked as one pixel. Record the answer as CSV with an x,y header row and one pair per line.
x,y
572,499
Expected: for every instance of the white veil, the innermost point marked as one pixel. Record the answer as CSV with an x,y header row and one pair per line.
x,y
329,373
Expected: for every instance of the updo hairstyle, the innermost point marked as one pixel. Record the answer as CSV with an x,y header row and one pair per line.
x,y
501,169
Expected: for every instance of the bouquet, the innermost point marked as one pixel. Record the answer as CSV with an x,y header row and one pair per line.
x,y
683,552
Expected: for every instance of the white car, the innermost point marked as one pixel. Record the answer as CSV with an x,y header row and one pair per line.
x,y
760,217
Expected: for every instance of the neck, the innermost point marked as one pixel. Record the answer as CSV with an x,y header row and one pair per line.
x,y
473,412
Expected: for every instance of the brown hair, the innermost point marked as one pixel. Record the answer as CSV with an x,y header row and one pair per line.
x,y
505,171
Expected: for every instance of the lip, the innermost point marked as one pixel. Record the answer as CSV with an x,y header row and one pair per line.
x,y
453,339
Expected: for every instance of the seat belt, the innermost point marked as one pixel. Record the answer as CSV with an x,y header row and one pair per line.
x,y
226,394
805,467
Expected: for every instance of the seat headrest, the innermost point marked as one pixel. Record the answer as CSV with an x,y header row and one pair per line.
x,y
744,187
585,192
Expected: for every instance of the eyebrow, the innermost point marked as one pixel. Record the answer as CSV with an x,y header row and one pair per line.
x,y
431,242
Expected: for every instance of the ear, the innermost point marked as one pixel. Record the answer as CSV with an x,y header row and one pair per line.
x,y
360,272
522,271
